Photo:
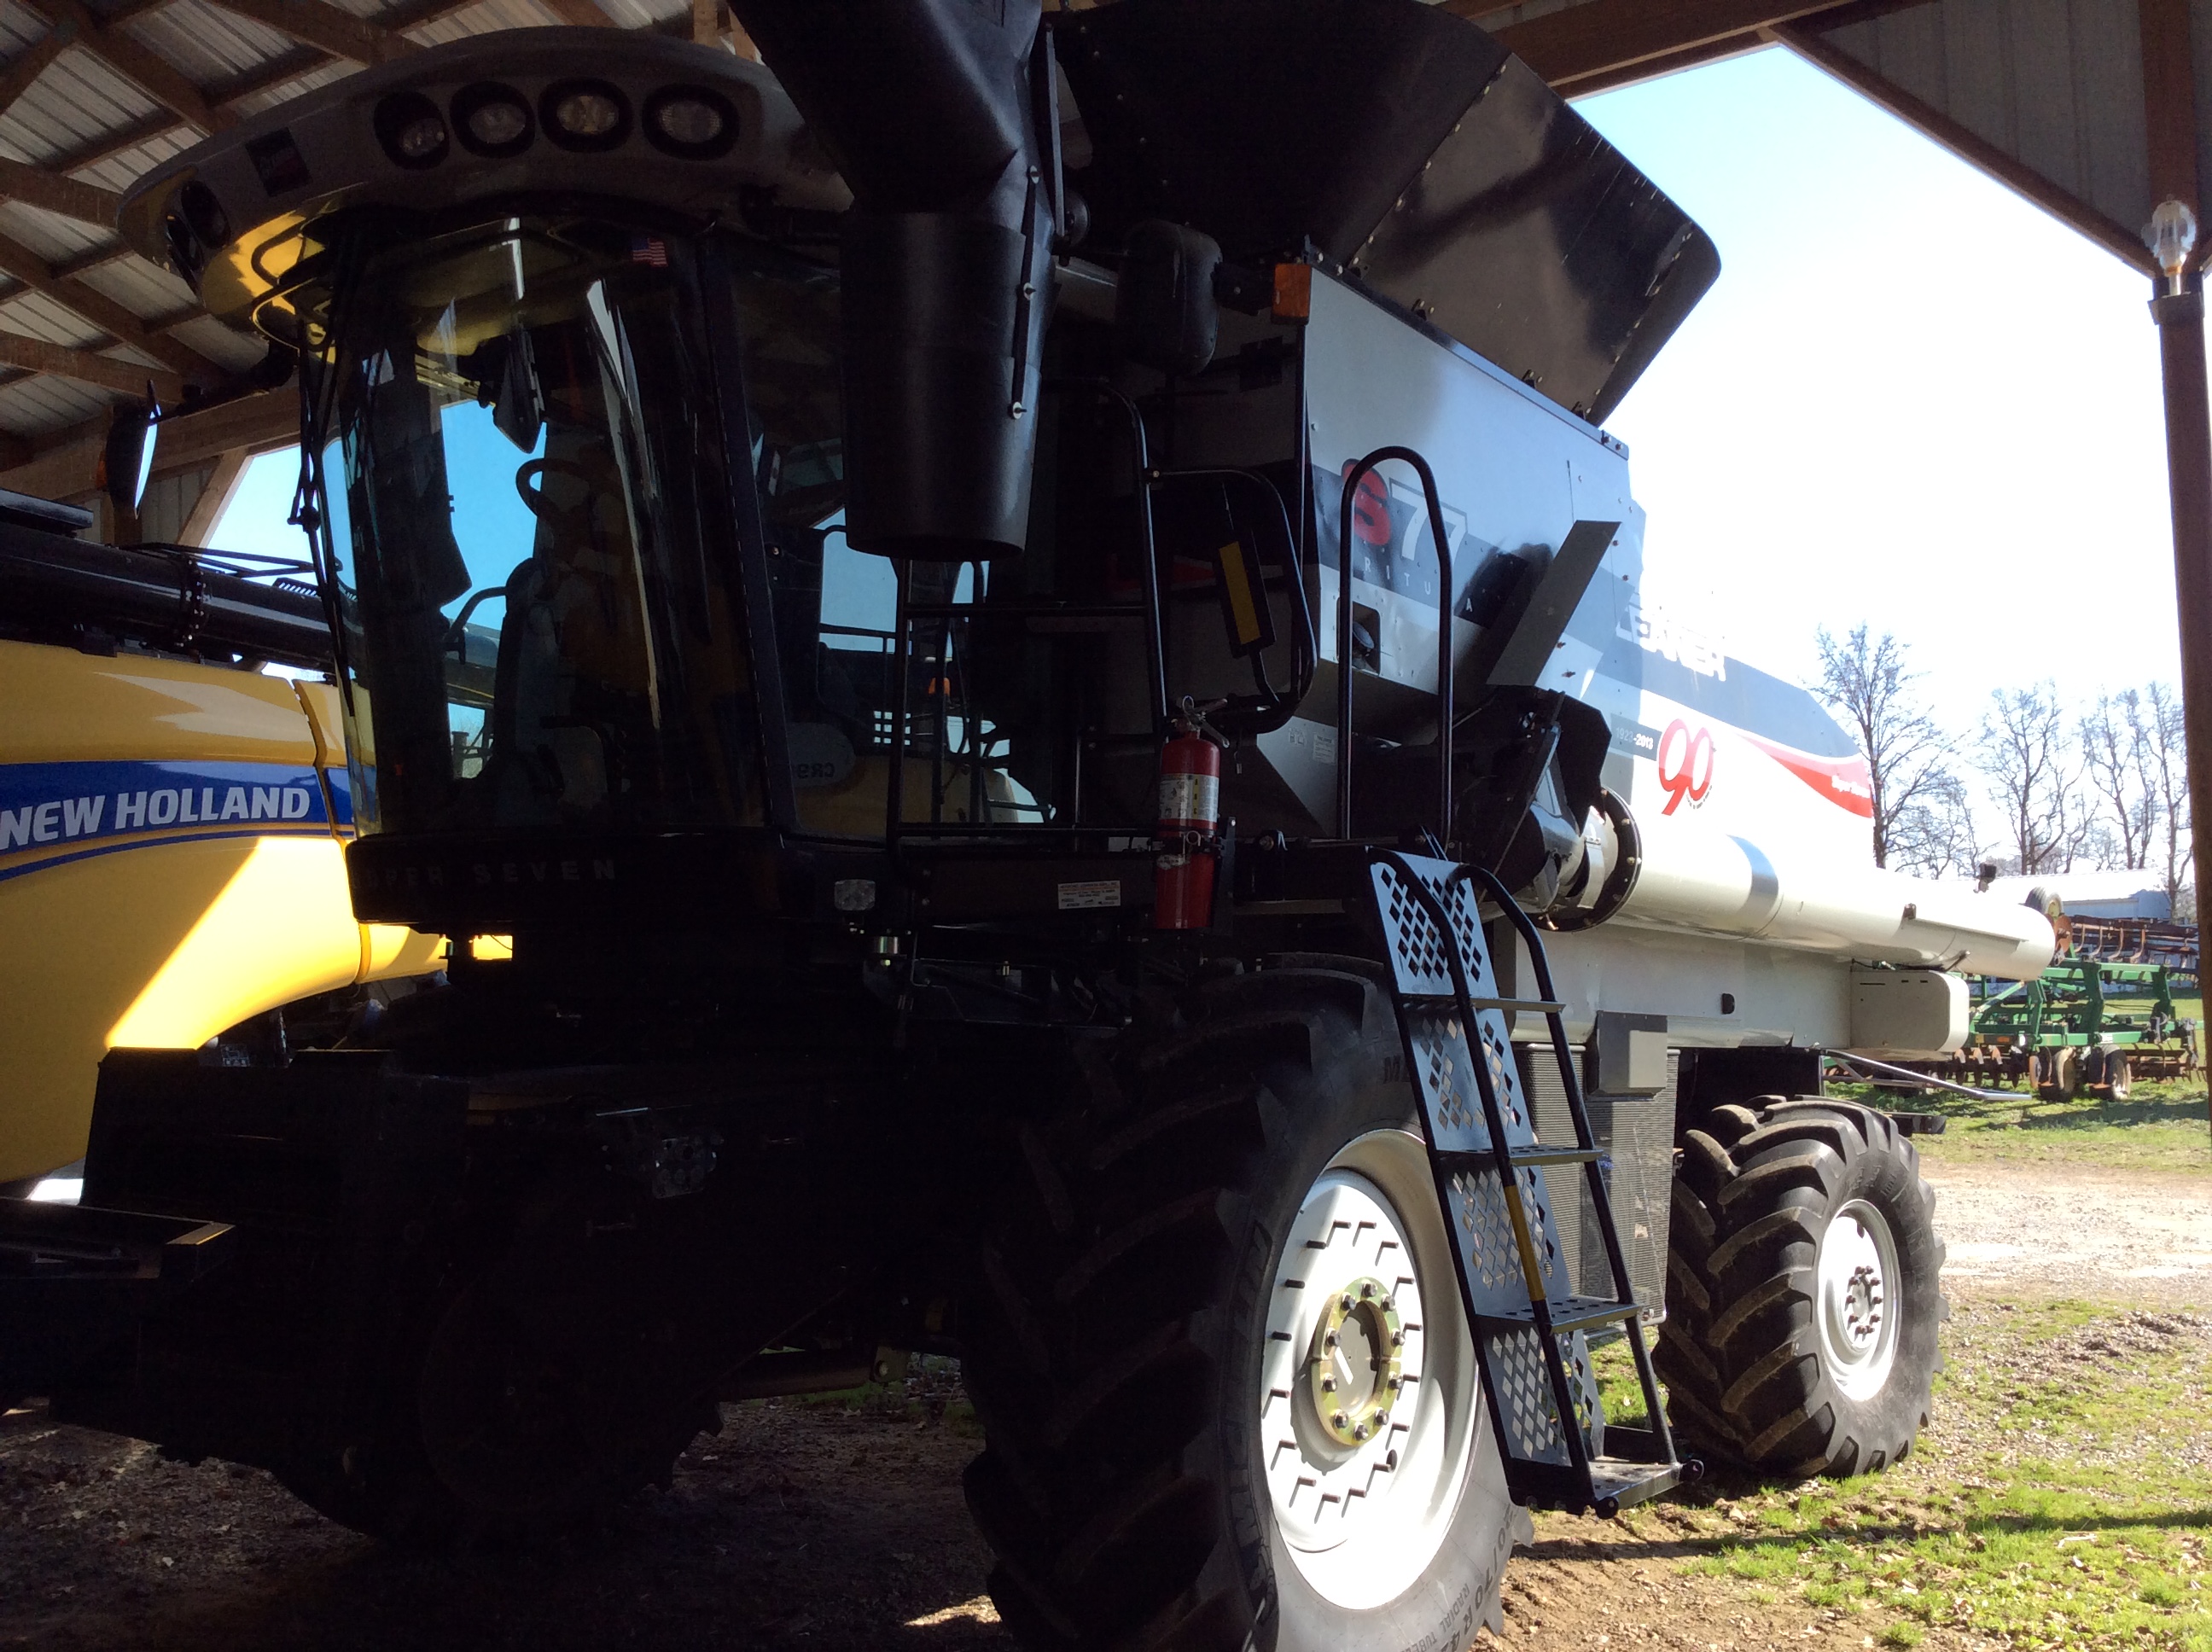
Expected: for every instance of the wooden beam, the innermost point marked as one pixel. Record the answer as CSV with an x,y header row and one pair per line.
x,y
582,13
35,187
31,62
91,259
338,33
1602,37
131,56
2169,103
65,462
95,307
215,494
1651,69
102,371
2121,241
68,470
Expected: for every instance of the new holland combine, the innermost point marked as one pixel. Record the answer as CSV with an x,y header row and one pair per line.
x,y
1031,627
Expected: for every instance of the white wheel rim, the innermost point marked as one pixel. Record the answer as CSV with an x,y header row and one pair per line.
x,y
1859,1310
1362,1519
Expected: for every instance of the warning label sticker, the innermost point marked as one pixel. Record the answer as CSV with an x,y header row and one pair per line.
x,y
1100,892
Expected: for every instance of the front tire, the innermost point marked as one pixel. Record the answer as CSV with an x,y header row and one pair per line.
x,y
1151,1337
1804,1273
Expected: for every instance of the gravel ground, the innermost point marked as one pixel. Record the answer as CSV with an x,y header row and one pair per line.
x,y
2073,1231
824,1526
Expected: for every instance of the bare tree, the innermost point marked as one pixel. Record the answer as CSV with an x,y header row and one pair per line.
x,y
2164,756
1868,681
2113,737
1936,835
2022,747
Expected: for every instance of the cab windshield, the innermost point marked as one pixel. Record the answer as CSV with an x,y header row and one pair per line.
x,y
527,485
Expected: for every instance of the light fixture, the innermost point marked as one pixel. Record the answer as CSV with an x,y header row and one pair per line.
x,y
492,119
691,122
2172,237
584,115
412,129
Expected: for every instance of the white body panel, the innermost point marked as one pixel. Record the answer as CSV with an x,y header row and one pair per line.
x,y
1757,887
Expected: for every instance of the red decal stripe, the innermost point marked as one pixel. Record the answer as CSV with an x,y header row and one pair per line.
x,y
1844,781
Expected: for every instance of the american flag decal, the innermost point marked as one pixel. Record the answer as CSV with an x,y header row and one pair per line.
x,y
648,249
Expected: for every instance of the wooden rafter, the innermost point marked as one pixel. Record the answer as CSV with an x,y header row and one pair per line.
x,y
71,198
582,13
31,62
327,33
104,372
317,24
1605,37
95,307
132,57
64,463
2117,239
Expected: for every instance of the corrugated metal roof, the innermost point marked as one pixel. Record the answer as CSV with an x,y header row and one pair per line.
x,y
2056,87
107,131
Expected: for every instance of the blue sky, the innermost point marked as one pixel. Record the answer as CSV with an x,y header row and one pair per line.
x,y
1912,399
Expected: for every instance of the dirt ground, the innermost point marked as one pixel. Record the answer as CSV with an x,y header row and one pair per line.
x,y
827,1526
2076,1230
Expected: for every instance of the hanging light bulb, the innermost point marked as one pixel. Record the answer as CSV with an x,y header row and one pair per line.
x,y
2172,237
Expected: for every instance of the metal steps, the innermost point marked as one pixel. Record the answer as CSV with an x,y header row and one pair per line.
x,y
1530,1329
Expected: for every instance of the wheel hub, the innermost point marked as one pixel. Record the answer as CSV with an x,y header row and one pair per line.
x,y
1367,1400
1358,1353
1857,1272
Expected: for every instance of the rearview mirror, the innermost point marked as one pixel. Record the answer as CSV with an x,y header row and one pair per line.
x,y
1165,309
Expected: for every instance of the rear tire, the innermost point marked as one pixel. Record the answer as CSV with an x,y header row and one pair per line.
x,y
1805,1299
1141,1364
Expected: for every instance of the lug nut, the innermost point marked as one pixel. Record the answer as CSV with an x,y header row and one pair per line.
x,y
1345,1302
1328,1385
1339,1418
1366,1290
1329,1341
1359,1433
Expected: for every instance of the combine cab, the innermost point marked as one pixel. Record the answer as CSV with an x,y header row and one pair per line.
x,y
1030,627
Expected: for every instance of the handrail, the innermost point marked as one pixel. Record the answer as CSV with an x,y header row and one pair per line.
x,y
1445,596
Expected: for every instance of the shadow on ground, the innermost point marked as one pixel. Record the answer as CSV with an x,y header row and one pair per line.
x,y
818,1526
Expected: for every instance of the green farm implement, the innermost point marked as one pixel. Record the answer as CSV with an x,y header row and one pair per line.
x,y
2084,1024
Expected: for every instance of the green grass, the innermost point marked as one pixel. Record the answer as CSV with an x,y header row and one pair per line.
x,y
2062,1498
2162,1127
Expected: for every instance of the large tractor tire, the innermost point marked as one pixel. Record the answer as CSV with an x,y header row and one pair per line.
x,y
1803,1293
1228,1392
490,1426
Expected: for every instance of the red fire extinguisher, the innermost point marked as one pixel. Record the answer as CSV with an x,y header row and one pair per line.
x,y
1190,820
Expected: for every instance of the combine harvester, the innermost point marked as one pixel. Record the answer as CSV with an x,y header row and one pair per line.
x,y
1078,780
172,823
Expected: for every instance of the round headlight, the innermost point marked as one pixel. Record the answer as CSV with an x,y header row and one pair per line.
x,y
424,139
584,115
412,129
691,121
493,119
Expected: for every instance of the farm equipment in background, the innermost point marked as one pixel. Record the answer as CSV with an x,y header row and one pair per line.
x,y
1030,626
2138,940
2084,1024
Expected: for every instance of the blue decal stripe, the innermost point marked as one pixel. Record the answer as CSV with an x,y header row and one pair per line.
x,y
57,802
310,830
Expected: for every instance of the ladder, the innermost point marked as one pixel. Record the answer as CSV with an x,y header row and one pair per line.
x,y
1531,1331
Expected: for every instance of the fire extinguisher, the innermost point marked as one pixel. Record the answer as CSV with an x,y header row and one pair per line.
x,y
1190,820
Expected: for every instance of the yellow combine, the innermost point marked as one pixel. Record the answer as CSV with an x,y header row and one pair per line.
x,y
172,821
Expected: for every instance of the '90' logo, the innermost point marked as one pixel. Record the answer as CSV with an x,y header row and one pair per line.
x,y
1685,765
